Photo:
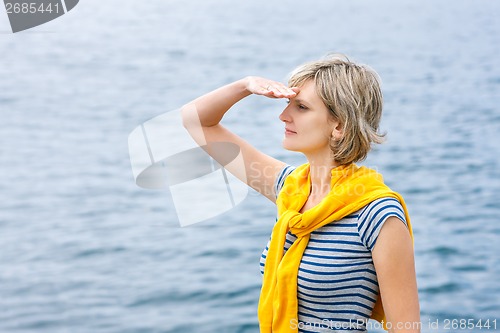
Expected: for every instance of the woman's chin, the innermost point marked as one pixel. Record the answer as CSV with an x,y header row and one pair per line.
x,y
290,147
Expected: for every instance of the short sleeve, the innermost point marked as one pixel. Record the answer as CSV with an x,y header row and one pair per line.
x,y
373,216
280,180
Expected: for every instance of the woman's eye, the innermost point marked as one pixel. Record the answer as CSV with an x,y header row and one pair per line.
x,y
298,105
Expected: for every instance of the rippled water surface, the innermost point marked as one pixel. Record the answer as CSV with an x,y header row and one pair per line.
x,y
83,249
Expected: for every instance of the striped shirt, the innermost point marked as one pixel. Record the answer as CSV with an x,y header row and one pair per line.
x,y
337,283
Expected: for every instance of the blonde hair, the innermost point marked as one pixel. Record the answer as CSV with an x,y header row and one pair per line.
x,y
352,94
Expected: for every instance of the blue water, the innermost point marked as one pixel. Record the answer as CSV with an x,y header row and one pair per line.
x,y
83,249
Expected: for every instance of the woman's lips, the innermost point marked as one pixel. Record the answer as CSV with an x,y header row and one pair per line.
x,y
289,132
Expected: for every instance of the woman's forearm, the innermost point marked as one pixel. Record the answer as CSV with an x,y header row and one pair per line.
x,y
211,107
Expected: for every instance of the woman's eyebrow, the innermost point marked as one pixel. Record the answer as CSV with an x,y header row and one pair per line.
x,y
298,100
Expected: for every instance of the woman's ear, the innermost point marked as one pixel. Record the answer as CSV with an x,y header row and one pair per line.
x,y
337,131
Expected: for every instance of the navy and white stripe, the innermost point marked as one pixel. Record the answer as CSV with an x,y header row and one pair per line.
x,y
337,282
280,180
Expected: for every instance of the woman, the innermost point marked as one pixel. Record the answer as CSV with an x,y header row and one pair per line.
x,y
321,269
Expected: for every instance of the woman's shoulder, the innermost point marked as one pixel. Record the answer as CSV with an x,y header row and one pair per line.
x,y
372,217
380,208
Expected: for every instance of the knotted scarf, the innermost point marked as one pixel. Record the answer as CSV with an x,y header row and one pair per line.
x,y
351,189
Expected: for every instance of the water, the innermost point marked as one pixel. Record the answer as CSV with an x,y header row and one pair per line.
x,y
82,249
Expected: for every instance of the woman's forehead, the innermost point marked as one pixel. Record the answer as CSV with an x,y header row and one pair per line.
x,y
308,92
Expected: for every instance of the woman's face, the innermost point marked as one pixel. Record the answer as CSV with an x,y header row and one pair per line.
x,y
308,123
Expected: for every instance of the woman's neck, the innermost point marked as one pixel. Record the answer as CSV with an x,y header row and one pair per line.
x,y
321,174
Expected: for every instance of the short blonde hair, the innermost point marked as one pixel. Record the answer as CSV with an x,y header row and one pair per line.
x,y
353,96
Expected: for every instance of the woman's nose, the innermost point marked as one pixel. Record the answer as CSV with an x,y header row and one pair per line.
x,y
285,115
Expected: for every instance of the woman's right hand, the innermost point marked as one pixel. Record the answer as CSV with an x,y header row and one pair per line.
x,y
269,88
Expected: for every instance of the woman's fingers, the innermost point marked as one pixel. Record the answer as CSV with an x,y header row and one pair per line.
x,y
269,88
278,90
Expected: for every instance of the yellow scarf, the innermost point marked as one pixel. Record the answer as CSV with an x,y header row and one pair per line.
x,y
352,188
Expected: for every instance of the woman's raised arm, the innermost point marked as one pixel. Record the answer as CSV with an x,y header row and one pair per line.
x,y
202,117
